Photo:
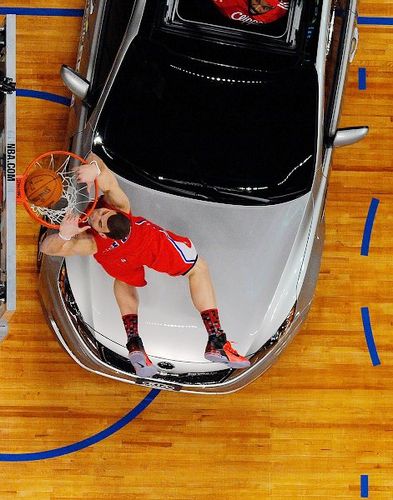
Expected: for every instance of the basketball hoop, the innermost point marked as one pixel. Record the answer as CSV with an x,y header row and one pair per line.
x,y
51,178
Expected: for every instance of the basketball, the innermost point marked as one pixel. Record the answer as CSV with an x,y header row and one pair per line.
x,y
43,187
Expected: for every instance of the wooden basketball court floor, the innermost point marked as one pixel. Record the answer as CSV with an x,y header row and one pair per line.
x,y
309,428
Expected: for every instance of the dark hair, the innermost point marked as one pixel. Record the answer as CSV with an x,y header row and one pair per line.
x,y
119,226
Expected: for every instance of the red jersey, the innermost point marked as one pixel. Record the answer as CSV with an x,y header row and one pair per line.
x,y
146,245
239,10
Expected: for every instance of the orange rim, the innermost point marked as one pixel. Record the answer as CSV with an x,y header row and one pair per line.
x,y
21,195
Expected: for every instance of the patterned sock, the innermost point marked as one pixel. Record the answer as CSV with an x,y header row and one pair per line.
x,y
211,321
131,325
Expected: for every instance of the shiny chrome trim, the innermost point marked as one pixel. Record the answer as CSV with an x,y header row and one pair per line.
x,y
348,136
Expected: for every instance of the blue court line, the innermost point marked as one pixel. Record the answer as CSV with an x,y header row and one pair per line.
x,y
363,486
47,96
382,21
29,11
368,227
80,445
362,84
369,337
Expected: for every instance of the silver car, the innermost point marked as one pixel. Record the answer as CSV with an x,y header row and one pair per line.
x,y
222,131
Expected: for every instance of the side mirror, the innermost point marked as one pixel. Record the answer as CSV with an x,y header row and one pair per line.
x,y
347,136
78,85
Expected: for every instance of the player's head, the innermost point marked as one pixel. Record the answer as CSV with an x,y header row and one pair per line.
x,y
258,7
110,223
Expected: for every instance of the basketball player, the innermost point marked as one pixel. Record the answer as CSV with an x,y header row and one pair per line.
x,y
123,244
253,11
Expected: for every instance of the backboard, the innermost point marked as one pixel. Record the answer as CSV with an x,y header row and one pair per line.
x,y
7,171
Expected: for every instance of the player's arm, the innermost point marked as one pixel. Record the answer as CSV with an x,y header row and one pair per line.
x,y
70,240
107,182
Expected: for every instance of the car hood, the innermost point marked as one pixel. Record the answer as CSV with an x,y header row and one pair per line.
x,y
254,254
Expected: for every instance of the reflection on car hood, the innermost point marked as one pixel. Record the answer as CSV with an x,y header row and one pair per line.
x,y
247,249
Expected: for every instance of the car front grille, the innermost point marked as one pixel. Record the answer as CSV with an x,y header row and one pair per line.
x,y
190,378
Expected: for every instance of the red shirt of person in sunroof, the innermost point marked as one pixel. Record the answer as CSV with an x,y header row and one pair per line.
x,y
253,11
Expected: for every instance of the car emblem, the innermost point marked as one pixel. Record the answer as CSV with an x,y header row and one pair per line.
x,y
165,365
158,385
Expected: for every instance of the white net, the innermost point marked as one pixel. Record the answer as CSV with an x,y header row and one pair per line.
x,y
74,197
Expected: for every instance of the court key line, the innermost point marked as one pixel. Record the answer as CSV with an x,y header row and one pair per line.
x,y
47,96
32,11
372,349
368,227
377,21
80,445
364,486
362,79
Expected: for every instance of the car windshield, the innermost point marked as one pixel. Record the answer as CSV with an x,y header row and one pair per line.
x,y
209,130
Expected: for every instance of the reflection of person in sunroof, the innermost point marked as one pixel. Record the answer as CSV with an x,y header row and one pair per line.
x,y
253,11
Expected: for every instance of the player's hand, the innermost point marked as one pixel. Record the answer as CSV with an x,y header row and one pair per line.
x,y
69,227
87,173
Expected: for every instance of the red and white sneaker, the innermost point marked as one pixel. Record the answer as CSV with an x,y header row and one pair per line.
x,y
220,350
139,359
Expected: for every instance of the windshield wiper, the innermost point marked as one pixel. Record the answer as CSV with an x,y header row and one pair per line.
x,y
184,187
240,195
161,182
215,189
